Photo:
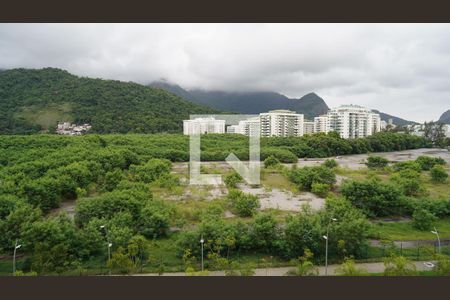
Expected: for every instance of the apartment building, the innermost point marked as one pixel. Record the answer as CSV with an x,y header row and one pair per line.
x,y
281,123
247,127
203,126
353,121
308,127
320,123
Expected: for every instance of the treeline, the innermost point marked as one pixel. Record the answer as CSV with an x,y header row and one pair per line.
x,y
51,149
288,239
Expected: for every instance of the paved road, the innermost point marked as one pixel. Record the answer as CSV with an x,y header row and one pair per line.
x,y
370,267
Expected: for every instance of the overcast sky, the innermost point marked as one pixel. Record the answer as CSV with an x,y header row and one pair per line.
x,y
402,70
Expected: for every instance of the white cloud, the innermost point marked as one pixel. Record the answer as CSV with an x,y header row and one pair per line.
x,y
401,69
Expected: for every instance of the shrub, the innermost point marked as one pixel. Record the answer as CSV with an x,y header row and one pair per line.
x,y
376,162
330,163
320,189
407,165
423,219
121,262
409,182
244,205
232,180
373,197
427,162
305,177
399,266
438,174
438,207
271,161
349,268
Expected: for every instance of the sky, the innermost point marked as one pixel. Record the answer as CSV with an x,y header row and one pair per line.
x,y
400,69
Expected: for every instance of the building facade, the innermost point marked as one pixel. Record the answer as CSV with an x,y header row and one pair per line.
x,y
246,127
321,124
353,121
308,127
281,123
203,126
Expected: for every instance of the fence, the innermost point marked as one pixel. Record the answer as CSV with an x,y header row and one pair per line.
x,y
417,250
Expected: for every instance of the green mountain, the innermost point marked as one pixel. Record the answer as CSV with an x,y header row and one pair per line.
x,y
445,117
34,100
310,105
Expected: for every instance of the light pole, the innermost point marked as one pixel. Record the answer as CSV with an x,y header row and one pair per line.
x,y
14,257
109,244
326,244
438,239
201,242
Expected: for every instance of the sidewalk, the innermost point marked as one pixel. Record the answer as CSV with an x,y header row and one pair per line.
x,y
370,267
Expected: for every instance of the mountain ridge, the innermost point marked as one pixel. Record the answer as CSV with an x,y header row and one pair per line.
x,y
311,105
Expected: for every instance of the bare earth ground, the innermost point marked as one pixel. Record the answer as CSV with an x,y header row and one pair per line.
x,y
275,198
283,200
356,161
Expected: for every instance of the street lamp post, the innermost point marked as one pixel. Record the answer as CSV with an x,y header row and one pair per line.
x,y
438,239
201,242
326,244
14,257
109,244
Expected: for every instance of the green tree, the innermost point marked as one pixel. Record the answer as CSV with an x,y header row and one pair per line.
x,y
423,219
155,218
305,266
271,161
374,197
264,231
244,205
120,262
438,174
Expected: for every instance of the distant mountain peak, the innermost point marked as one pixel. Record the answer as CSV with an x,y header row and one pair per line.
x,y
445,117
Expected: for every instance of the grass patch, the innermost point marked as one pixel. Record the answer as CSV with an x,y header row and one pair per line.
x,y
271,179
402,231
47,116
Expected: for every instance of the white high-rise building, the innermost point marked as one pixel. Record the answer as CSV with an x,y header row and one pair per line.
x,y
353,121
247,127
376,123
281,123
203,126
320,124
233,129
308,127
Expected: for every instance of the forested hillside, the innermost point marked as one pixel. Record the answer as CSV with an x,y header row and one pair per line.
x,y
32,101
